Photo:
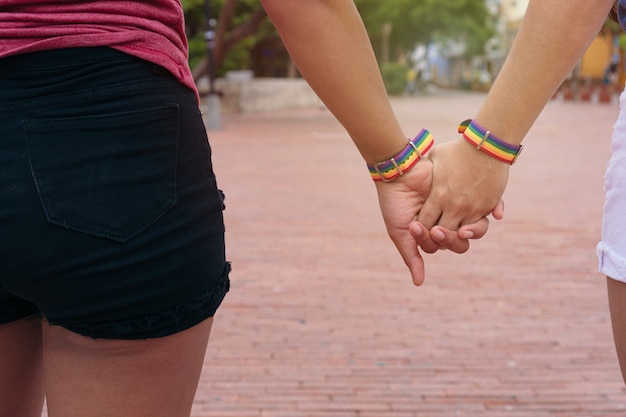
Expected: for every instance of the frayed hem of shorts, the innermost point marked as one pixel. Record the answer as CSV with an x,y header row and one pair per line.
x,y
163,324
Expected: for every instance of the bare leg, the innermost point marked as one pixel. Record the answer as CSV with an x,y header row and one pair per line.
x,y
123,378
617,305
21,370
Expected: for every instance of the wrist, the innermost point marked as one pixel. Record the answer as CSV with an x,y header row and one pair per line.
x,y
484,141
408,157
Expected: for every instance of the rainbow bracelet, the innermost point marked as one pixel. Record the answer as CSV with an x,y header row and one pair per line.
x,y
483,140
415,150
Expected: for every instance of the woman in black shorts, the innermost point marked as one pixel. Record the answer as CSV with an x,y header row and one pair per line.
x,y
112,233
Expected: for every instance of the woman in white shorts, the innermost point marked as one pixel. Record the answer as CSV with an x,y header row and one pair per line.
x,y
468,183
612,248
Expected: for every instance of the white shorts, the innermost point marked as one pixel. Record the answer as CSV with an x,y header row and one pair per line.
x,y
612,248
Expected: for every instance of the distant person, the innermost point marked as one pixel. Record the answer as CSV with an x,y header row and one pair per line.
x,y
411,82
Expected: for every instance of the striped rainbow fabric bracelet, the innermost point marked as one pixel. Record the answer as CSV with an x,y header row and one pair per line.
x,y
415,150
483,140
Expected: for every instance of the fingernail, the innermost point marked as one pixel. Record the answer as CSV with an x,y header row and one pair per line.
x,y
417,230
438,235
468,235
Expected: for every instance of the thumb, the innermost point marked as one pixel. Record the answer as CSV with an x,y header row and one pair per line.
x,y
498,211
415,263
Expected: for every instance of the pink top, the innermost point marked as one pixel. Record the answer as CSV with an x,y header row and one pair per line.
x,y
153,30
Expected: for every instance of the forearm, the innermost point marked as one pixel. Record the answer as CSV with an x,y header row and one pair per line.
x,y
329,44
552,39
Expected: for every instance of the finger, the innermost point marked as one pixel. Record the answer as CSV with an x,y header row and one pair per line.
x,y
430,213
422,237
452,221
417,268
449,239
410,254
474,230
498,211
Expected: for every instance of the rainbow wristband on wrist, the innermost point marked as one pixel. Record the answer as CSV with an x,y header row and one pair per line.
x,y
415,150
483,140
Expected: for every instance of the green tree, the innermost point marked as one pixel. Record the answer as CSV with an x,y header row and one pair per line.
x,y
240,25
243,26
422,21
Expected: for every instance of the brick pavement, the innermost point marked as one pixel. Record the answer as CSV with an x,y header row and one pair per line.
x,y
323,321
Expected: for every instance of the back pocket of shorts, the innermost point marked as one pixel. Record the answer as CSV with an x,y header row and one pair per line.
x,y
109,175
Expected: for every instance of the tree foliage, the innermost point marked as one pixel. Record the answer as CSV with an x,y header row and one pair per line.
x,y
240,25
243,26
422,21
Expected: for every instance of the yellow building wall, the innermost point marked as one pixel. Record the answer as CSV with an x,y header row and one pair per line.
x,y
597,57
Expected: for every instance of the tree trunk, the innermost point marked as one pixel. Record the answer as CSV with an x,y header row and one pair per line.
x,y
225,39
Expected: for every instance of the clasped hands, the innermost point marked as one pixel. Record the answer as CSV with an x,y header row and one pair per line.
x,y
442,202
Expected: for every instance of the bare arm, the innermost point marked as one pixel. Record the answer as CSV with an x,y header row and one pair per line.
x,y
329,44
552,39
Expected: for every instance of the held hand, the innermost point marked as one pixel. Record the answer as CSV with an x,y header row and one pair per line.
x,y
400,201
467,185
453,240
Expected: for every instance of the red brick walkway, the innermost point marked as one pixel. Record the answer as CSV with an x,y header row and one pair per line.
x,y
323,321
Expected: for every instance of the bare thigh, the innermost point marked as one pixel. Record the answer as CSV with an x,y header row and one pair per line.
x,y
617,305
21,376
88,377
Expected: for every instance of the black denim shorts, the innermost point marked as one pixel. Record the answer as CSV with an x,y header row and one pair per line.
x,y
110,217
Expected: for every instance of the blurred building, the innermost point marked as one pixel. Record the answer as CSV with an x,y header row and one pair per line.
x,y
508,15
446,61
602,64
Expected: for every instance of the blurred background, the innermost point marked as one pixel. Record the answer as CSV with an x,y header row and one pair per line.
x,y
420,45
